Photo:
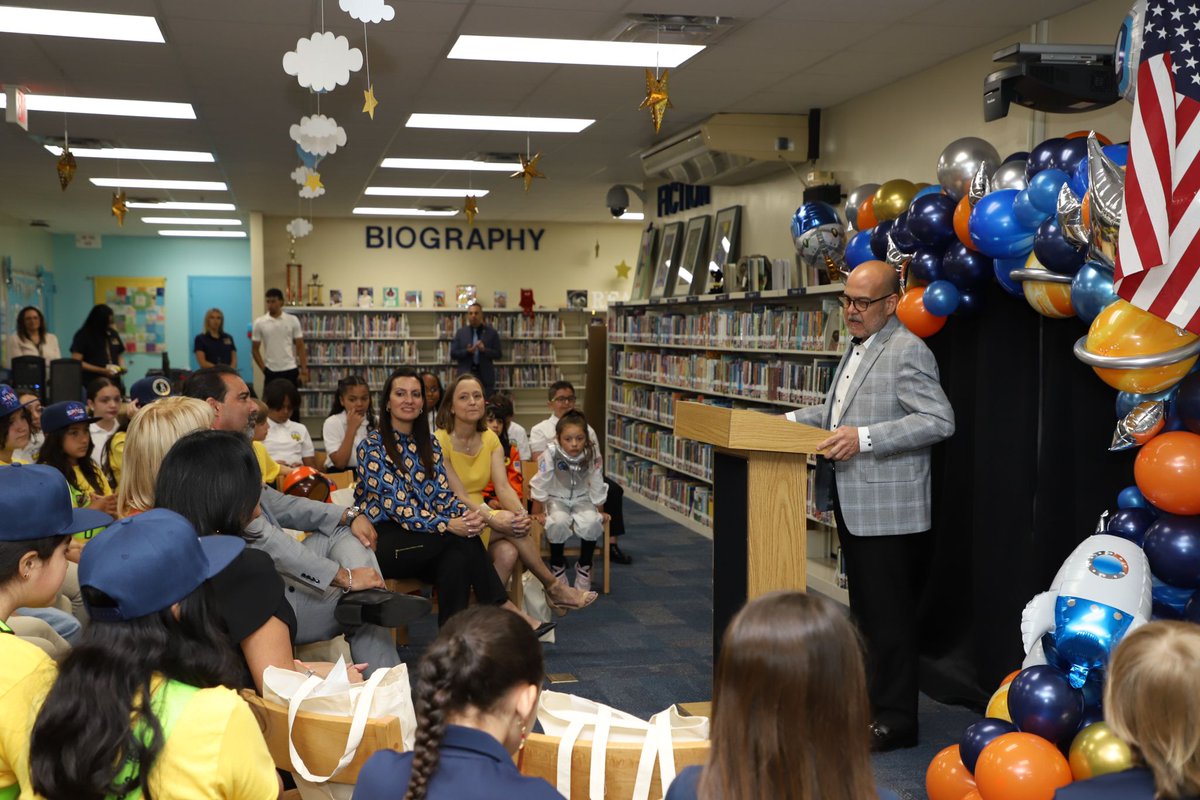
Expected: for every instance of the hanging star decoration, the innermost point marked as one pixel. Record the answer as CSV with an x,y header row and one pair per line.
x,y
529,170
313,181
66,168
470,208
657,98
369,101
119,208
622,269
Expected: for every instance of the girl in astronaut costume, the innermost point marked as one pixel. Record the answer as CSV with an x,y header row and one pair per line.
x,y
568,494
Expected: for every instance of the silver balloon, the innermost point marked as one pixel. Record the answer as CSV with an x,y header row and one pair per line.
x,y
960,161
898,260
1010,176
1107,199
1129,50
1138,425
855,199
1070,217
981,184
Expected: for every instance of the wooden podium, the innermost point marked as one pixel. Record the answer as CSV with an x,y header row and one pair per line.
x,y
760,484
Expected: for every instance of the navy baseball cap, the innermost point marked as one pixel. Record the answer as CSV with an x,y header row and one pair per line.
x,y
149,562
35,503
149,389
9,402
64,414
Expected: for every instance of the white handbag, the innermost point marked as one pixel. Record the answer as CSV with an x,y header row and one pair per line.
x,y
572,718
385,694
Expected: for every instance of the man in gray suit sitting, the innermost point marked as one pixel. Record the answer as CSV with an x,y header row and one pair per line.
x,y
886,408
332,578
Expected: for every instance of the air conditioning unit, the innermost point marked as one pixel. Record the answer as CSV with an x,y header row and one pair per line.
x,y
729,149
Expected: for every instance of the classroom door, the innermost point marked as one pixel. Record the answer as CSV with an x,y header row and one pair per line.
x,y
232,295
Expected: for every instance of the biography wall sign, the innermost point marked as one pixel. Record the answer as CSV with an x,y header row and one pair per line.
x,y
429,237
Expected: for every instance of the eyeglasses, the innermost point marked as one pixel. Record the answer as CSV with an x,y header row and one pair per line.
x,y
564,399
861,303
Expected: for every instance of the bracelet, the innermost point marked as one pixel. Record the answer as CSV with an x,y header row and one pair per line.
x,y
487,511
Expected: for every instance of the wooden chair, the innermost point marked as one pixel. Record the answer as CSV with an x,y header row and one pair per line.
x,y
320,738
343,479
528,470
540,760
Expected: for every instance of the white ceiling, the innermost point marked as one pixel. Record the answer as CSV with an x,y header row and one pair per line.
x,y
224,57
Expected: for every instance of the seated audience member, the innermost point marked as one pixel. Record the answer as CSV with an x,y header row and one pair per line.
x,y
497,417
474,460
31,337
288,442
350,420
213,345
1152,702
476,699
433,397
338,553
154,655
36,521
424,530
514,430
562,400
104,405
16,423
33,404
68,448
267,466
790,709
141,394
151,434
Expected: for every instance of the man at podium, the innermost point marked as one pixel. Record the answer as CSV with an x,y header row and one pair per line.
x,y
885,409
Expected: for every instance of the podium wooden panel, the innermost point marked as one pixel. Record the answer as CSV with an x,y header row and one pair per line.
x,y
760,520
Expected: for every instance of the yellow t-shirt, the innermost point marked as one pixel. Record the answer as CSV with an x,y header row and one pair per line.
x,y
474,471
266,464
116,454
82,497
215,751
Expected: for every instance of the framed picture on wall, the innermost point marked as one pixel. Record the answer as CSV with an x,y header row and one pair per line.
x,y
667,264
644,274
723,256
690,279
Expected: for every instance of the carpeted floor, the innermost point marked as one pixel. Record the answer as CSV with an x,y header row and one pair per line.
x,y
649,643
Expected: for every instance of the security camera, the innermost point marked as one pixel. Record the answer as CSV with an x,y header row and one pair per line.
x,y
617,200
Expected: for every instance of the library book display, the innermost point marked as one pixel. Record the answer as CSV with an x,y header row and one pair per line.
x,y
760,483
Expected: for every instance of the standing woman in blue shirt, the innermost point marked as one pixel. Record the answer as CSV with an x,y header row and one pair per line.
x,y
213,345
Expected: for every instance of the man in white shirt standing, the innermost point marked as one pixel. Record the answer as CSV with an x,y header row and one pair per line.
x,y
278,346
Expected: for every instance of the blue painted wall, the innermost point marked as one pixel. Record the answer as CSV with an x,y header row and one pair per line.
x,y
144,256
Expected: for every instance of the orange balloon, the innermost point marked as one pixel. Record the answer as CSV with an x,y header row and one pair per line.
x,y
1167,470
1104,140
1051,300
962,216
866,214
1021,766
1009,679
972,795
911,311
947,778
997,706
1122,329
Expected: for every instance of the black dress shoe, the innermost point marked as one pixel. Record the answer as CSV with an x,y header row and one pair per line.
x,y
885,738
544,628
617,555
380,607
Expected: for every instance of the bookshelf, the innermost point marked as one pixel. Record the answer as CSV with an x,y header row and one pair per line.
x,y
535,352
770,351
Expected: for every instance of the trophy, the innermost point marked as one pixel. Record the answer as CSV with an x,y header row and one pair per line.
x,y
314,291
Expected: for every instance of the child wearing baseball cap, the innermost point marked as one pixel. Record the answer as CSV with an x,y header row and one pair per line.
x,y
68,448
15,425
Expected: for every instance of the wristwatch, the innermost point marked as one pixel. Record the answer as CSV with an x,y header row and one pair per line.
x,y
352,513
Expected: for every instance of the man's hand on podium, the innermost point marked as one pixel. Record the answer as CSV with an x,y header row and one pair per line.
x,y
841,445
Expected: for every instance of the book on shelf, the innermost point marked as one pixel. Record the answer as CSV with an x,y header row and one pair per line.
x,y
391,297
439,299
835,335
499,299
577,298
335,298
466,294
412,298
366,296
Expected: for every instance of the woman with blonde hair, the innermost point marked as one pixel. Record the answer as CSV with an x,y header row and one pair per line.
x,y
151,434
790,711
1152,703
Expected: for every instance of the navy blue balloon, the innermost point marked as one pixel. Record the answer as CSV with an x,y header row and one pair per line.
x,y
1131,524
858,249
879,241
1070,154
941,298
1093,693
980,735
926,265
1020,155
1054,252
965,268
1172,546
1092,290
1042,702
1127,400
901,235
1043,189
1043,157
1026,213
1001,268
995,231
928,190
931,220
1167,601
969,303
1187,401
1090,717
1132,497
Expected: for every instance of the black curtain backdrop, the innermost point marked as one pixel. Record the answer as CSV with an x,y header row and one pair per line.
x,y
1022,481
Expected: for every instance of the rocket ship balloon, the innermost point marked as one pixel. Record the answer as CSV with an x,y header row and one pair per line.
x,y
1101,592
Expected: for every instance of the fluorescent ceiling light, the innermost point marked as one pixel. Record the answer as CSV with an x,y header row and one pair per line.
x,y
170,205
572,51
157,109
189,221
403,212
209,234
450,163
633,215
154,183
79,24
135,154
477,122
411,191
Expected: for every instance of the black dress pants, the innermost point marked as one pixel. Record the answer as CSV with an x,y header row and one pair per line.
x,y
454,565
614,506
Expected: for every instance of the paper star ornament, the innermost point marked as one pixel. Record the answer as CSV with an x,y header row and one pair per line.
x,y
529,170
119,208
312,181
622,269
657,98
369,101
470,208
66,168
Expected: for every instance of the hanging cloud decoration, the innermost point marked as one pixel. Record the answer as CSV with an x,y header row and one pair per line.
x,y
299,228
368,10
323,61
308,193
300,175
318,134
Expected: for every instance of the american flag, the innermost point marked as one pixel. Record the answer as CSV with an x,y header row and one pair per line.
x,y
1158,260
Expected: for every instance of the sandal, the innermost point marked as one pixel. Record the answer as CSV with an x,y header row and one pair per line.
x,y
562,606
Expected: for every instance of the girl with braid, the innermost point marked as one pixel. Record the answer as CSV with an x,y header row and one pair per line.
x,y
476,699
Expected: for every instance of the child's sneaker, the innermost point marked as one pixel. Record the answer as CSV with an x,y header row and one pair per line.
x,y
583,578
560,573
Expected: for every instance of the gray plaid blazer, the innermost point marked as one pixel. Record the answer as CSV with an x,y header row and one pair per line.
x,y
896,392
